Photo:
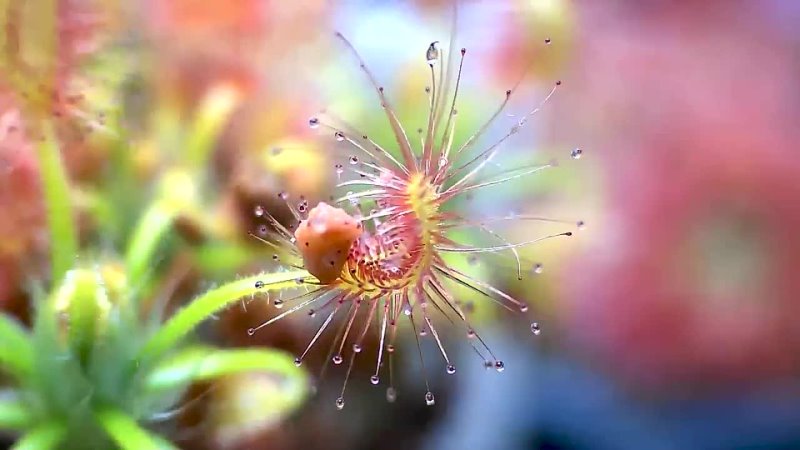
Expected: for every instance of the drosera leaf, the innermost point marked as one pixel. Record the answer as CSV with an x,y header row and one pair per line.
x,y
46,436
209,121
16,350
126,433
149,231
14,415
204,364
202,307
60,220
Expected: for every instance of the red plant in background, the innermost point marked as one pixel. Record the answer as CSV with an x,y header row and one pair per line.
x,y
697,282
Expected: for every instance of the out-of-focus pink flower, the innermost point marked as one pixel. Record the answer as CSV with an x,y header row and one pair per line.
x,y
696,277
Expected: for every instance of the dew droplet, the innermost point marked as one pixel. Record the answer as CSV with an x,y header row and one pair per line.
x,y
357,348
581,225
297,362
499,366
423,332
275,257
432,55
339,136
576,153
312,313
523,308
259,284
429,400
442,162
354,159
538,268
390,348
251,331
262,229
407,310
339,169
313,122
451,369
340,403
470,334
258,211
283,195
535,328
337,359
374,379
547,41
391,395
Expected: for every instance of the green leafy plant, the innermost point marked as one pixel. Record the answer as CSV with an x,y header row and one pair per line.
x,y
97,362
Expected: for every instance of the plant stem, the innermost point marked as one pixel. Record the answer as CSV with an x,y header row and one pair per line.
x,y
199,309
204,364
16,348
127,434
55,185
43,437
14,415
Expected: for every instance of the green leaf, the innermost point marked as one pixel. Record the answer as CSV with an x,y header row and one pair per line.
x,y
208,123
149,231
199,309
63,237
43,437
14,415
204,364
127,434
16,348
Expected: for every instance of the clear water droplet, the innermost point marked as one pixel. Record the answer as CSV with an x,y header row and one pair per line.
x,y
337,359
259,284
523,308
432,54
374,379
407,310
354,159
313,122
547,41
470,334
429,399
339,136
581,225
312,313
442,162
451,369
499,366
258,211
535,328
357,348
298,362
340,403
262,230
278,303
576,153
390,348
423,332
283,195
251,331
538,268
391,395
339,169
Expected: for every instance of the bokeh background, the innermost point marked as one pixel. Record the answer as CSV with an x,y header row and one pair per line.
x,y
669,322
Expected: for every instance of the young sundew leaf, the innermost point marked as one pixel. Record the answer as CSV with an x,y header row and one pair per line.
x,y
202,307
60,221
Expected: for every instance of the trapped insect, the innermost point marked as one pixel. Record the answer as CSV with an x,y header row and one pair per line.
x,y
390,260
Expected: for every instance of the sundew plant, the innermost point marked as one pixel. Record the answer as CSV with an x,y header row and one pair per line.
x,y
378,251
